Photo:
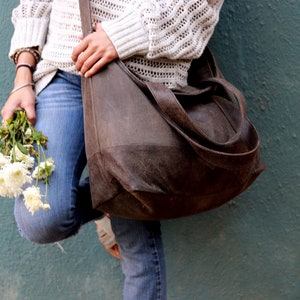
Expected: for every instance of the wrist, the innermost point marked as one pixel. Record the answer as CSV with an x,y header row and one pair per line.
x,y
25,65
31,55
24,85
23,75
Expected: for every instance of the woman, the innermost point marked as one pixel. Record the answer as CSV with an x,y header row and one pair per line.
x,y
157,39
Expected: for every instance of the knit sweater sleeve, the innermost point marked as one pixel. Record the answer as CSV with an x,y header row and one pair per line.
x,y
30,20
173,29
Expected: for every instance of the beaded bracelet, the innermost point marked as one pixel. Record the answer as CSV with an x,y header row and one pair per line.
x,y
31,68
36,53
21,86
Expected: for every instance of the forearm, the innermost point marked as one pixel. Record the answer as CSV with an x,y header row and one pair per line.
x,y
24,65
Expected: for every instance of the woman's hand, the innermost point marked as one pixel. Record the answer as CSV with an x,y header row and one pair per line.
x,y
94,52
21,99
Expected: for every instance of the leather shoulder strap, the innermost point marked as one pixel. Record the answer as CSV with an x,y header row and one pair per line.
x,y
85,14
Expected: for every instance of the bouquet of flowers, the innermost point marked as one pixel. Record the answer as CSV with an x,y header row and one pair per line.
x,y
22,147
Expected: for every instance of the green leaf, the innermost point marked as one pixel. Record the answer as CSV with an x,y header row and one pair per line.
x,y
22,148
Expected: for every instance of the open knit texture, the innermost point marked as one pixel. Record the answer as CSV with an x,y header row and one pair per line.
x,y
157,39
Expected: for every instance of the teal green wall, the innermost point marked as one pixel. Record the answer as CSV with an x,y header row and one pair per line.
x,y
246,250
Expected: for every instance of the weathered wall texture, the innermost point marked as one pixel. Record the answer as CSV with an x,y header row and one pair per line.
x,y
246,250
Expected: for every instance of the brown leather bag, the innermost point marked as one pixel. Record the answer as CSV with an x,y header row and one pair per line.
x,y
153,155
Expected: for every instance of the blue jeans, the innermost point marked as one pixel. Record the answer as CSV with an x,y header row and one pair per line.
x,y
60,117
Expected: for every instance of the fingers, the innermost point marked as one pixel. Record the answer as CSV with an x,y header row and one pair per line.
x,y
79,49
18,101
30,112
86,60
7,112
91,68
94,52
89,63
84,44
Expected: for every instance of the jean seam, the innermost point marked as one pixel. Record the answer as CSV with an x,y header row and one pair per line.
x,y
157,267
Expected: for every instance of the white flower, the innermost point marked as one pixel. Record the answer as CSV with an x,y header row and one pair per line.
x,y
44,169
21,147
12,177
21,157
32,199
4,189
4,160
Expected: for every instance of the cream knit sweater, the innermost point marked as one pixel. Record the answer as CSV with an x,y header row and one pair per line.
x,y
157,39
